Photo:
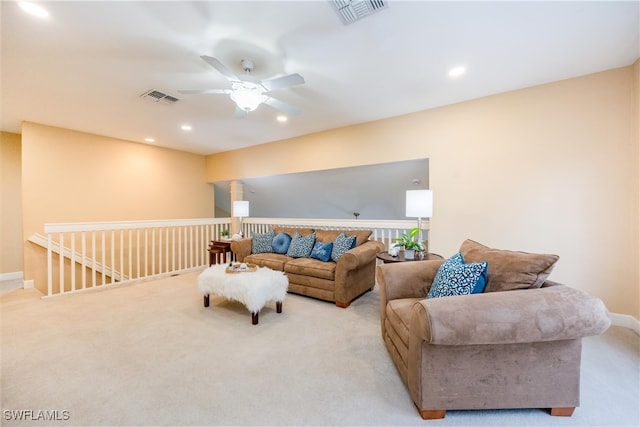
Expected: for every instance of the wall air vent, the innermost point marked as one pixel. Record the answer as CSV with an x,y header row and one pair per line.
x,y
354,10
157,96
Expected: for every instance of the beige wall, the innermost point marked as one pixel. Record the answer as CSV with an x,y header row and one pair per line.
x,y
553,168
11,205
70,176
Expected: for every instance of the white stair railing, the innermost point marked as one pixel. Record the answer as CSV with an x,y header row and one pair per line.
x,y
383,230
84,256
105,253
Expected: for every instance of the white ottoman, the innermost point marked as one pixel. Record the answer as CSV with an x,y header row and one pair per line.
x,y
254,289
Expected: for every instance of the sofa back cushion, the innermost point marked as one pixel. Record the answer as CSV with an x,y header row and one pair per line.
x,y
291,230
509,270
329,236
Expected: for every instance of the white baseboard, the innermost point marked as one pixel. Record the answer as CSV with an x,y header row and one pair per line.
x,y
16,275
28,284
11,281
626,321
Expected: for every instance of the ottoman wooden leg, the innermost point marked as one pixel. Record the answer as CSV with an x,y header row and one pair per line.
x,y
206,300
254,318
278,306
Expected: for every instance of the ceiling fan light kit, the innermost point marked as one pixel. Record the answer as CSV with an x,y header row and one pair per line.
x,y
247,99
247,92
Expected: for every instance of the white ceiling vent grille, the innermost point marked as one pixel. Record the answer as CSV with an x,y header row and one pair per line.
x,y
157,96
354,10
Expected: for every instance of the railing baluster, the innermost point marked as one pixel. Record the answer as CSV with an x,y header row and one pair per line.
x,y
84,260
113,255
121,255
138,253
73,262
61,262
93,258
103,248
49,266
153,251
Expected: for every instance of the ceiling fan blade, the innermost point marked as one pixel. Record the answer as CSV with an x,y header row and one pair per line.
x,y
221,68
239,113
283,82
282,106
194,91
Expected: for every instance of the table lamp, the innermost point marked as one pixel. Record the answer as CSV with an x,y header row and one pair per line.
x,y
420,205
241,210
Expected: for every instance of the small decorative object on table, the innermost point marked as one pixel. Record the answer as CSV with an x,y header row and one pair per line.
x,y
409,243
240,267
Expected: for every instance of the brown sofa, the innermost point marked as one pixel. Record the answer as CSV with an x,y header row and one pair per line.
x,y
517,345
340,282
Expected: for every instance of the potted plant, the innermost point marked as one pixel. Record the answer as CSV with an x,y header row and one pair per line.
x,y
224,233
409,242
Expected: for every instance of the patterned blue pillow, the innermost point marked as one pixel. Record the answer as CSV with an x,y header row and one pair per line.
x,y
261,242
454,277
281,243
301,247
322,251
341,245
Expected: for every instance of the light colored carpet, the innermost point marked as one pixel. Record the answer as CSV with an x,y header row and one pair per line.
x,y
151,354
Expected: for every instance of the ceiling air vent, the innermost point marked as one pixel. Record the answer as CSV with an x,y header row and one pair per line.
x,y
157,96
354,10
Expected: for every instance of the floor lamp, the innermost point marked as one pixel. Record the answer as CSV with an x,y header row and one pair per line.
x,y
241,210
420,205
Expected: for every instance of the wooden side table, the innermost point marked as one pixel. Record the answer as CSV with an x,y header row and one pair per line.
x,y
386,258
218,250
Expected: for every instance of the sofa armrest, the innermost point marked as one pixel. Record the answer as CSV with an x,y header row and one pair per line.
x,y
520,316
241,248
360,255
410,279
356,272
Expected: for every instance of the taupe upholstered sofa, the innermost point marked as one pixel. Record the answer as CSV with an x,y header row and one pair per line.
x,y
341,282
516,348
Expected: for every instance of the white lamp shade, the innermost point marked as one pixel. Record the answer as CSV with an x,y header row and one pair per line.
x,y
241,208
419,203
247,99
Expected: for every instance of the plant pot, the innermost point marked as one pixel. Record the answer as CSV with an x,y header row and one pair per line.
x,y
409,254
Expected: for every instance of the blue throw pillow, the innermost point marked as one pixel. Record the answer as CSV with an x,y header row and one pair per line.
x,y
454,277
281,243
261,242
301,247
341,245
322,251
482,280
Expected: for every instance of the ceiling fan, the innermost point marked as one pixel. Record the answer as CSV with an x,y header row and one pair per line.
x,y
247,91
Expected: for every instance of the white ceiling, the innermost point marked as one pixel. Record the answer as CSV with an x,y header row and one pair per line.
x,y
86,66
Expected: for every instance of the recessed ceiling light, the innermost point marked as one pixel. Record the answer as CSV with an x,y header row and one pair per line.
x,y
186,127
282,119
34,9
149,140
457,71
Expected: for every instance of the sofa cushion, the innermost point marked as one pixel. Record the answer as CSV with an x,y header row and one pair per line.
x,y
311,267
291,231
327,236
281,243
271,260
301,246
398,313
341,245
261,242
322,251
510,270
454,277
